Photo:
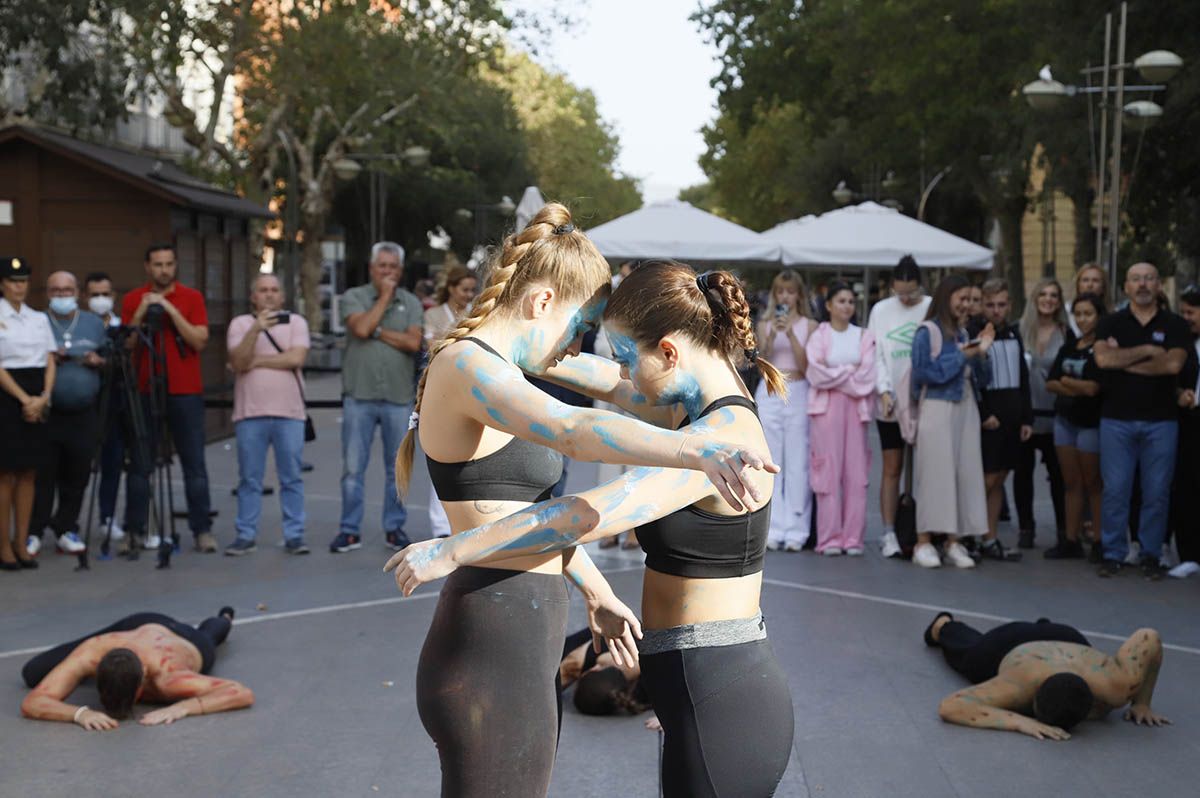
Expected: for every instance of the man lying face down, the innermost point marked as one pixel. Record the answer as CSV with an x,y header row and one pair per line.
x,y
145,656
1043,678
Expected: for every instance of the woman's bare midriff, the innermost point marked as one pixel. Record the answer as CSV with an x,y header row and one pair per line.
x,y
677,600
470,514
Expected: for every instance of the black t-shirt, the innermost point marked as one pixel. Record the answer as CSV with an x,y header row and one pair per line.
x,y
1133,397
1082,411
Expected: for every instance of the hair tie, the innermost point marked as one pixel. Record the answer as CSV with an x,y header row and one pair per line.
x,y
702,282
752,355
563,229
413,419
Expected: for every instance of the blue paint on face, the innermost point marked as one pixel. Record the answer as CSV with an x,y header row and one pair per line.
x,y
542,430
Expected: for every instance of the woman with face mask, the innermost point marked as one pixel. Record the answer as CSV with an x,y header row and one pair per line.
x,y
27,371
706,664
493,445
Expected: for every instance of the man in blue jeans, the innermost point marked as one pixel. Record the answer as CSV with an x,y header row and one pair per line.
x,y
1141,350
173,322
267,351
384,326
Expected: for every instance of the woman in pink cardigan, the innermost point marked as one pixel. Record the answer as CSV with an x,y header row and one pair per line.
x,y
841,387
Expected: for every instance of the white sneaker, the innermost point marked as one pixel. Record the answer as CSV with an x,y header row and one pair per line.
x,y
957,554
926,556
117,532
832,551
33,545
794,546
152,542
1135,553
1181,571
889,546
1168,558
70,543
854,551
774,545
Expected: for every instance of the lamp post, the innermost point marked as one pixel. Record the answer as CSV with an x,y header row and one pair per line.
x,y
350,165
505,207
1156,66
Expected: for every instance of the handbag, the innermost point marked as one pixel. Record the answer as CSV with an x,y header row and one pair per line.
x,y
906,510
310,431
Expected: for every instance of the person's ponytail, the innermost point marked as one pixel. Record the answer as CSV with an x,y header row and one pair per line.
x,y
734,330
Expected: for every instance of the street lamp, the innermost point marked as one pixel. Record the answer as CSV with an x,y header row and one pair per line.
x,y
1156,66
350,165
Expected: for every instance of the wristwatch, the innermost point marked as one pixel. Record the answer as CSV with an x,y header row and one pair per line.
x,y
376,333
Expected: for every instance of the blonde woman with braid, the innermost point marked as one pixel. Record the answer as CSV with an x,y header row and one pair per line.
x,y
706,665
493,444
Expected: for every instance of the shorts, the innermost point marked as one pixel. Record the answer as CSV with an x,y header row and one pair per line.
x,y
889,435
1085,439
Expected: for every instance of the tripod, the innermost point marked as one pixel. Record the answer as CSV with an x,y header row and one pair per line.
x,y
161,498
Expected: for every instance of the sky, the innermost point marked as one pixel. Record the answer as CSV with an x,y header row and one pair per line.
x,y
649,67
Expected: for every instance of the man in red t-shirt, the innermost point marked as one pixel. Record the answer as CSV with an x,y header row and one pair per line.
x,y
174,322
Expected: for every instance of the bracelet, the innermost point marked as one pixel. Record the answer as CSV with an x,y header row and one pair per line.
x,y
199,703
79,712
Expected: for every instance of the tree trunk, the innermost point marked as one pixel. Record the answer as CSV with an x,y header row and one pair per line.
x,y
312,231
1011,262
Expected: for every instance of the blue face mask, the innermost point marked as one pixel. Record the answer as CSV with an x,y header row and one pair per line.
x,y
63,305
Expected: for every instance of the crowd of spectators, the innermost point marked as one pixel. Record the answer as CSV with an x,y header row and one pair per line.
x,y
1106,397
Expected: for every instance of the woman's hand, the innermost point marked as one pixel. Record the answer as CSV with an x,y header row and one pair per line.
x,y
887,402
613,622
991,422
92,720
725,465
1142,715
1040,730
419,563
1187,399
986,337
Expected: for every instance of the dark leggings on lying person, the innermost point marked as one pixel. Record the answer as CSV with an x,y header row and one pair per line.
x,y
486,681
977,655
726,714
206,637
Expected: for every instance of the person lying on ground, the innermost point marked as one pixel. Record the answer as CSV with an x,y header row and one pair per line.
x,y
145,656
602,686
1043,678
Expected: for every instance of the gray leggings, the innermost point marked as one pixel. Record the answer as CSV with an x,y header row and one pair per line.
x,y
486,681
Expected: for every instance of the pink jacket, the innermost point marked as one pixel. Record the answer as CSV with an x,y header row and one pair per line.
x,y
857,382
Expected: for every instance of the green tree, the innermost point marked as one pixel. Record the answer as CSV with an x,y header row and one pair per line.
x,y
572,150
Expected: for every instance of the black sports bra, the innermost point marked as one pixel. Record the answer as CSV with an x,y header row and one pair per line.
x,y
519,471
701,545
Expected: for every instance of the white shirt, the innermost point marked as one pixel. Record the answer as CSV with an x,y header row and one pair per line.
x,y
845,347
894,325
26,338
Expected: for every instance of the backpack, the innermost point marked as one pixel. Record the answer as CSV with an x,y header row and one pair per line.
x,y
907,405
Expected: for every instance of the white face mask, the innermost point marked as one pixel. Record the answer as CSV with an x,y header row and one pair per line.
x,y
100,305
63,305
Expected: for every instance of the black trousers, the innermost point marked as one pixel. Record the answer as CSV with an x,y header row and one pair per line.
x,y
1023,480
977,655
1185,493
726,713
206,637
64,471
486,681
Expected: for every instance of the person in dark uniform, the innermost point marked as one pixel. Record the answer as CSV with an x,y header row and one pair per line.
x,y
26,381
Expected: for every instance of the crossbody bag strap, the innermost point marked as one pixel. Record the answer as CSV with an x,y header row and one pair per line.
x,y
295,372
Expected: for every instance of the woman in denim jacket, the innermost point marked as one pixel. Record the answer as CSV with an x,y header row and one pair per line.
x,y
951,499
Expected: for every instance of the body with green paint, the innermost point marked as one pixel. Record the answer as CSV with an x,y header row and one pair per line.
x,y
1006,702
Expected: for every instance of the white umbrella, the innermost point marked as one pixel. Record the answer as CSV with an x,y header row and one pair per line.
x,y
870,235
675,229
531,202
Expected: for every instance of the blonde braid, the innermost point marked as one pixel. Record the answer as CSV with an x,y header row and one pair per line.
x,y
516,247
736,331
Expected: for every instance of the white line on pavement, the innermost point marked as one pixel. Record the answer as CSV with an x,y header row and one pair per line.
x,y
276,616
829,591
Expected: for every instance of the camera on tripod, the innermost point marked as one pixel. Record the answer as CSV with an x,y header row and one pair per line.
x,y
154,317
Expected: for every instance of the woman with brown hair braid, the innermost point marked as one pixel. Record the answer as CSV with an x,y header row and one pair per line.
x,y
485,682
706,665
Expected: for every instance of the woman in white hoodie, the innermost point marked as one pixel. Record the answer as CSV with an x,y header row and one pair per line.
x,y
893,322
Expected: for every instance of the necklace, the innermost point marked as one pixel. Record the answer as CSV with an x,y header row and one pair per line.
x,y
66,334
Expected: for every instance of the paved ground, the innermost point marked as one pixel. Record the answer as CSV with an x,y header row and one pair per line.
x,y
330,651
